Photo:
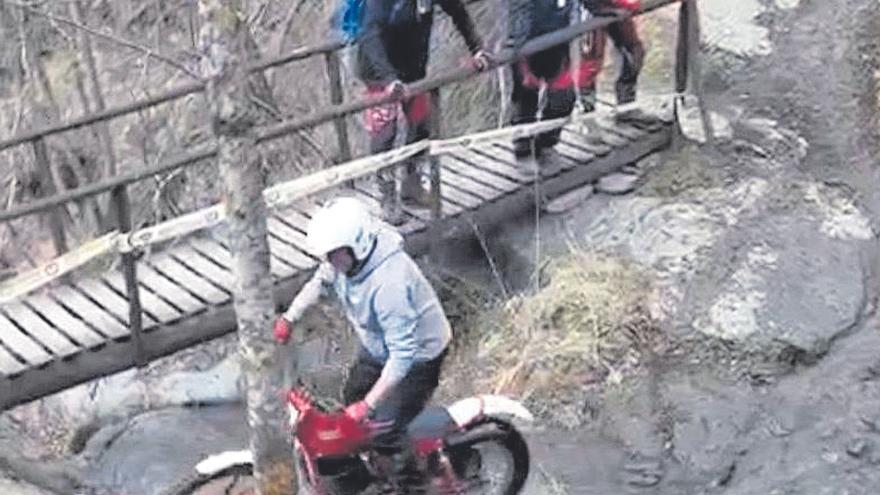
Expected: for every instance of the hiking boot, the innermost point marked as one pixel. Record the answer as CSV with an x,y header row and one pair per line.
x,y
626,93
393,214
413,194
587,99
522,148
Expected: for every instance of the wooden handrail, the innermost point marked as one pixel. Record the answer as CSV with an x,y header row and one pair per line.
x,y
335,111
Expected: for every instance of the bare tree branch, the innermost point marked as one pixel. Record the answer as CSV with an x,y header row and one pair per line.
x,y
109,37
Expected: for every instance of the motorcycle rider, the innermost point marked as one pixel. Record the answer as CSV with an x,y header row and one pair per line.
x,y
402,328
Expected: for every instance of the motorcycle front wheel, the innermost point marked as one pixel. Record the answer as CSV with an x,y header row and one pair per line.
x,y
493,464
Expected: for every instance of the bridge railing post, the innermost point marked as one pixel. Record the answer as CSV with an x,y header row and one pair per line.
x,y
122,206
682,48
436,125
334,75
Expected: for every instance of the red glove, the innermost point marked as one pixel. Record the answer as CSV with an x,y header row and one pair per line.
x,y
282,330
358,411
631,5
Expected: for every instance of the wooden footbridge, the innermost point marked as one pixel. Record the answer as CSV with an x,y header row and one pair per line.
x,y
54,336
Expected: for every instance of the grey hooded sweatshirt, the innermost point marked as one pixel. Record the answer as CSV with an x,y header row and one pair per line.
x,y
389,302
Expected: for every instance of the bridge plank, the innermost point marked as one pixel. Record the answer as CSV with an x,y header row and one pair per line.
x,y
294,218
473,186
8,364
204,267
151,304
214,251
73,327
503,153
587,142
102,294
485,159
22,345
460,162
293,238
282,227
97,317
170,291
220,254
278,267
455,190
623,129
186,277
609,137
370,195
575,155
51,338
289,254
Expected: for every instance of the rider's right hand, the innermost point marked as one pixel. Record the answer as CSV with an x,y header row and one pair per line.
x,y
282,330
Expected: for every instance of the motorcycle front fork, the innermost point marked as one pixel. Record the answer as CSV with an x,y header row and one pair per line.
x,y
447,481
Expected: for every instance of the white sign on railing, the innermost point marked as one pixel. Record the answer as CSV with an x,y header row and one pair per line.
x,y
36,278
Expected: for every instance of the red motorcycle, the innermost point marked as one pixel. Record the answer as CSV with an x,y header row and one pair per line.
x,y
467,448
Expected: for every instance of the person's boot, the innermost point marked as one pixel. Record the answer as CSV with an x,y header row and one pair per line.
x,y
413,194
626,92
587,99
392,212
523,148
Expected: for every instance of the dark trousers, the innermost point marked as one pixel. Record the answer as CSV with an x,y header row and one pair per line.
x,y
626,38
401,406
527,78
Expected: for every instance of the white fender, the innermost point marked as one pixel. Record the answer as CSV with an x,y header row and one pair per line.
x,y
466,411
216,463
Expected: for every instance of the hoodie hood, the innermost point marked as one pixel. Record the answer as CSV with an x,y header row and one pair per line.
x,y
388,243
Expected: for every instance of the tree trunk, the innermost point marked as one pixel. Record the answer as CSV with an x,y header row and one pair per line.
x,y
223,40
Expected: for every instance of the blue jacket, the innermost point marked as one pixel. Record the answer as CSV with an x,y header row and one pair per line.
x,y
391,305
396,37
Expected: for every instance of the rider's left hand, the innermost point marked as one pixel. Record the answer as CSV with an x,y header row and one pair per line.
x,y
358,411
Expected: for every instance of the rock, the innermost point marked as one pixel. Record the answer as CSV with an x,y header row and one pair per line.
x,y
774,266
733,27
858,447
568,200
787,4
726,475
218,384
10,487
776,428
722,130
617,183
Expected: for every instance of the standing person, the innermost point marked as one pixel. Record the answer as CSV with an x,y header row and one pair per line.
x,y
529,19
625,37
397,316
393,52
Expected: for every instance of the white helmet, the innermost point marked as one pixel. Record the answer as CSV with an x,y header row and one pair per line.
x,y
342,222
